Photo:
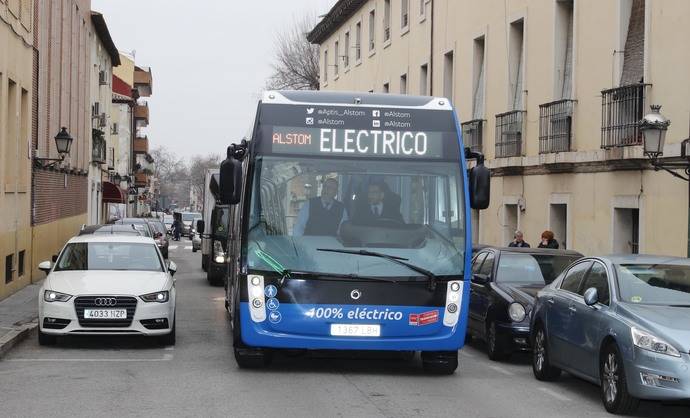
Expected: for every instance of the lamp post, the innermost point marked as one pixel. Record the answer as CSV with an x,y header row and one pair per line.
x,y
654,126
63,143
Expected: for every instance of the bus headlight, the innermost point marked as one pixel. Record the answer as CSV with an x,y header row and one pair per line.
x,y
516,312
255,291
451,315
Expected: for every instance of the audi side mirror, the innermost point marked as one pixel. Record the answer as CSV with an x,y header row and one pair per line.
x,y
591,296
172,267
45,266
481,279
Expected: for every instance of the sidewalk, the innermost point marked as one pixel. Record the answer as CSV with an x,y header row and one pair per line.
x,y
18,316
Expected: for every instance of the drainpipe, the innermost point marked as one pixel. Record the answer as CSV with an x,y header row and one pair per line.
x,y
431,49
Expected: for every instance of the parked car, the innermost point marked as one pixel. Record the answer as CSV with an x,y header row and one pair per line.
x,y
504,284
110,230
187,219
196,237
107,284
168,221
141,224
160,235
621,322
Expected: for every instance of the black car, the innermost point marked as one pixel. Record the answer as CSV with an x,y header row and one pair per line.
x,y
160,235
505,282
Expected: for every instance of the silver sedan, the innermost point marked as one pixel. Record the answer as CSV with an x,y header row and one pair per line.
x,y
621,322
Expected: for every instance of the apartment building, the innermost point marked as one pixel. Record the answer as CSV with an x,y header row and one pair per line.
x,y
552,92
17,91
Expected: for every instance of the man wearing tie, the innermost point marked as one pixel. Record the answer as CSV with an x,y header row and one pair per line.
x,y
377,207
321,215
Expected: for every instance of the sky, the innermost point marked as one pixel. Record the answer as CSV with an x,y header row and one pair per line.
x,y
210,60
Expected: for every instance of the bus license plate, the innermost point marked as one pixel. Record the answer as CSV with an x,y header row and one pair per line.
x,y
105,313
355,330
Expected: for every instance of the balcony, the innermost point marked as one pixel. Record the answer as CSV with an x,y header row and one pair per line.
x,y
98,147
622,108
473,134
141,179
141,145
555,126
509,127
141,114
143,81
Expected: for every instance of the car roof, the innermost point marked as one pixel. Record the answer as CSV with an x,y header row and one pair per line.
x,y
548,251
108,228
112,238
645,259
131,221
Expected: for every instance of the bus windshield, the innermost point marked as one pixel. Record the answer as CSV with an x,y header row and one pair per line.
x,y
409,209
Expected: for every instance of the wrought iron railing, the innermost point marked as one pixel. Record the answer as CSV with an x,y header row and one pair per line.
x,y
473,134
509,127
555,126
621,111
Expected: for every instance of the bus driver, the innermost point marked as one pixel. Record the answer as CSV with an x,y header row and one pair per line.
x,y
321,215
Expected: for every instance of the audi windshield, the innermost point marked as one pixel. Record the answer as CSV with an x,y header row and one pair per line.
x,y
109,256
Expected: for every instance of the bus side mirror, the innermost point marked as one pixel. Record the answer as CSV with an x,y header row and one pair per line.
x,y
200,226
230,181
480,187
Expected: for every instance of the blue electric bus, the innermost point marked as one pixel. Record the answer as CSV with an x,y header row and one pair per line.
x,y
350,227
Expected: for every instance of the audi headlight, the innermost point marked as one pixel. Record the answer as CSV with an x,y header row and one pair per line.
x,y
160,297
647,341
53,296
516,312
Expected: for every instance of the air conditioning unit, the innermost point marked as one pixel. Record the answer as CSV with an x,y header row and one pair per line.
x,y
102,120
115,129
96,110
102,78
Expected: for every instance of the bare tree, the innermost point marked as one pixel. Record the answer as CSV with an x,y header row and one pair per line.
x,y
172,174
296,60
197,171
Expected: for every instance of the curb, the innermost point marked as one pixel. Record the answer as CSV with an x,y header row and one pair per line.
x,y
15,336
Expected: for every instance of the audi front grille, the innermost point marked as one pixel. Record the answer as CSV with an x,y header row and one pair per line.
x,y
112,302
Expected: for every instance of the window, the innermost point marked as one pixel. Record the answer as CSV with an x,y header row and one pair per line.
x,y
372,30
11,145
424,79
20,263
346,55
598,279
386,20
488,266
478,79
404,14
477,263
403,84
9,259
531,268
448,75
626,230
516,63
336,52
82,256
558,223
571,282
325,66
358,41
422,8
386,87
564,49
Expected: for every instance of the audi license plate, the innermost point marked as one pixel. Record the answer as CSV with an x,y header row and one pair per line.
x,y
355,330
105,313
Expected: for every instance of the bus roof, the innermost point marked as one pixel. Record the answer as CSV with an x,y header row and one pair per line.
x,y
340,98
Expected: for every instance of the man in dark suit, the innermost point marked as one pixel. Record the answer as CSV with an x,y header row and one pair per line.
x,y
321,215
378,207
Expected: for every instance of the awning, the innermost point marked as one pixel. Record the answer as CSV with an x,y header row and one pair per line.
x,y
113,193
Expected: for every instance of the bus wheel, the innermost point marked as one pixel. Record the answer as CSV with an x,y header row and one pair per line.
x,y
440,362
252,358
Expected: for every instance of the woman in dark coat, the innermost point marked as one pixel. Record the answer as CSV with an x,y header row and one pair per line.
x,y
547,240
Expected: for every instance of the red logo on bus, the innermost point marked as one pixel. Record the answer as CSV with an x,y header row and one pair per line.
x,y
425,318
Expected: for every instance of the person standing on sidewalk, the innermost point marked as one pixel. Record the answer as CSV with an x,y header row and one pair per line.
x,y
519,241
548,240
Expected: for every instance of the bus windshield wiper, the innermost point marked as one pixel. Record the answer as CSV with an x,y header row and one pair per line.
x,y
287,273
392,258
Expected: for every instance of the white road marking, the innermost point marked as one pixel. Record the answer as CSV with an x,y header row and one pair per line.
x,y
166,357
172,247
502,370
188,247
555,394
169,348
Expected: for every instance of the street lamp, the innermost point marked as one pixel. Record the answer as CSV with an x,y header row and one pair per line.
x,y
654,126
63,143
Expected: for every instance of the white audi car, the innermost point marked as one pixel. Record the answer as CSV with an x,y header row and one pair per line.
x,y
108,285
